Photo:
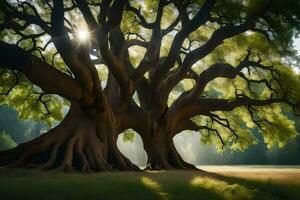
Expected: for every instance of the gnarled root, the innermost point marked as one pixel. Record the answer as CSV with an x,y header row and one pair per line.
x,y
77,146
165,156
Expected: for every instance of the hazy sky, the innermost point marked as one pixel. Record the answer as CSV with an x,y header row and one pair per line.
x,y
297,44
297,47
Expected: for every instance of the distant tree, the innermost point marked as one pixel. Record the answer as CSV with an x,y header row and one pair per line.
x,y
6,142
158,67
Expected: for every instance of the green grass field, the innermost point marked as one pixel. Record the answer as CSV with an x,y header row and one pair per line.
x,y
216,183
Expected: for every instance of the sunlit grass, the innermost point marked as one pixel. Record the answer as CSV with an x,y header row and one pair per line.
x,y
172,185
155,187
223,188
275,174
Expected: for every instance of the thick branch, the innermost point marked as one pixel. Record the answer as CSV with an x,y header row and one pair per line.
x,y
141,18
66,49
45,76
114,65
207,105
200,19
151,56
216,39
11,12
220,70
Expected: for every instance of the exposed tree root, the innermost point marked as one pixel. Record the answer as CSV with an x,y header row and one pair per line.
x,y
165,156
67,153
87,143
77,144
171,162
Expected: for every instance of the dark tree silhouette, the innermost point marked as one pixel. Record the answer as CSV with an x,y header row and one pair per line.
x,y
218,67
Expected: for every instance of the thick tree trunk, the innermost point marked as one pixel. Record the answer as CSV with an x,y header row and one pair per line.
x,y
84,141
161,151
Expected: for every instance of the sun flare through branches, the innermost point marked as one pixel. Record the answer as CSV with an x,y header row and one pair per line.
x,y
83,34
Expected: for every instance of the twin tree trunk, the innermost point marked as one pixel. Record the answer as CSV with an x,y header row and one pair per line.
x,y
86,141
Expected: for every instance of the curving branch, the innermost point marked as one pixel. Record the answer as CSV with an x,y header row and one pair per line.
x,y
16,82
182,10
226,70
187,108
190,125
201,18
216,39
67,49
100,32
56,82
197,54
151,57
171,27
40,99
139,17
226,124
136,42
207,105
12,13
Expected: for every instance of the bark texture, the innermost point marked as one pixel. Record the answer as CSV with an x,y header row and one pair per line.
x,y
84,141
134,97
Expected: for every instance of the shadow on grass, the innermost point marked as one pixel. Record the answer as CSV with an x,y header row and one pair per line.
x,y
177,185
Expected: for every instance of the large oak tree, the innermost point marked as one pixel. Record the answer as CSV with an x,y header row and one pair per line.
x,y
222,68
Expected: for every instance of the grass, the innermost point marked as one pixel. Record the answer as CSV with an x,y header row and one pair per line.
x,y
177,185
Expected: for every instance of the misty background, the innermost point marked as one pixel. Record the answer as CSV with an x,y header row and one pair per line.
x,y
14,131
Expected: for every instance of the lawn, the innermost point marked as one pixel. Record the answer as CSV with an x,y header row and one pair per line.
x,y
215,183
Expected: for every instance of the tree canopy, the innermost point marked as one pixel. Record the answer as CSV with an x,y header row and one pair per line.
x,y
222,68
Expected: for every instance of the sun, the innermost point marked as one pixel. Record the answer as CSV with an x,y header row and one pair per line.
x,y
83,34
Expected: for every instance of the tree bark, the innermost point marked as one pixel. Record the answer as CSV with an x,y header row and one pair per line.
x,y
84,141
161,150
86,138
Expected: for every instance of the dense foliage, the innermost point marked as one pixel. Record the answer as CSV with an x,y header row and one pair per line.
x,y
222,68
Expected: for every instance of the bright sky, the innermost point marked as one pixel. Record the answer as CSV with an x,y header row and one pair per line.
x,y
297,44
297,47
